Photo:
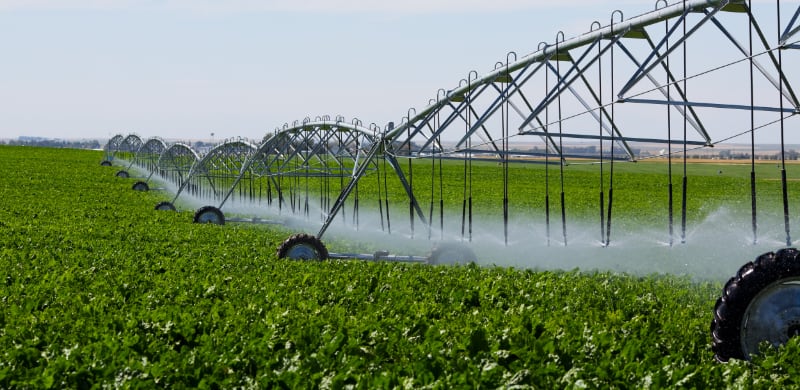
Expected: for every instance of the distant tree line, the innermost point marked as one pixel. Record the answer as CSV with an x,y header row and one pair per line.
x,y
54,143
589,150
790,154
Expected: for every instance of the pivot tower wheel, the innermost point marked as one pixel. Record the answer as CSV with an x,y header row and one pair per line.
x,y
302,246
105,163
123,174
141,186
165,206
451,253
760,304
209,214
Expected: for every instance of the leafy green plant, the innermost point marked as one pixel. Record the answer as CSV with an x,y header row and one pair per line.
x,y
100,290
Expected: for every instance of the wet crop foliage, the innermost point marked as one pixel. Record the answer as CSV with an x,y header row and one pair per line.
x,y
100,290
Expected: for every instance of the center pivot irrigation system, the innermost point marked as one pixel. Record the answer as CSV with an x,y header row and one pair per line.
x,y
685,77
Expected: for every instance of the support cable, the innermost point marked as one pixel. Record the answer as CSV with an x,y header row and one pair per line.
x,y
613,135
467,206
305,206
433,178
464,194
670,184
547,162
469,200
467,192
386,192
753,215
561,146
293,188
784,186
279,189
380,193
600,138
410,178
441,193
504,133
685,181
355,208
328,171
342,146
356,214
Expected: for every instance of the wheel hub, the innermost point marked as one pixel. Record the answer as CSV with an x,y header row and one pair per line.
x,y
773,316
208,217
302,252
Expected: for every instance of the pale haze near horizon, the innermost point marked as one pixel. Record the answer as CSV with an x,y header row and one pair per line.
x,y
183,69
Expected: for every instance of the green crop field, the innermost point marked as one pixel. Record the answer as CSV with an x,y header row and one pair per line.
x,y
100,290
641,190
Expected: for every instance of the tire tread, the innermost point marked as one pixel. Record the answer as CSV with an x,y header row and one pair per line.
x,y
739,291
298,238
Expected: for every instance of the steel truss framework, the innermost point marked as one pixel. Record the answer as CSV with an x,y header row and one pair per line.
x,y
171,162
176,162
128,148
685,76
111,147
690,75
147,156
215,172
307,153
299,169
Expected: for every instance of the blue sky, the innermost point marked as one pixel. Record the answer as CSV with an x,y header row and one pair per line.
x,y
183,69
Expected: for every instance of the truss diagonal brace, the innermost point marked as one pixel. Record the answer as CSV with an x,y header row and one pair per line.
x,y
558,89
504,94
790,32
376,149
613,129
788,92
693,119
642,71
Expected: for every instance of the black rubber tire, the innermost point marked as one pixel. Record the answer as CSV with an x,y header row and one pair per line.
x,y
140,186
123,174
105,163
302,246
165,206
209,214
743,296
451,253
